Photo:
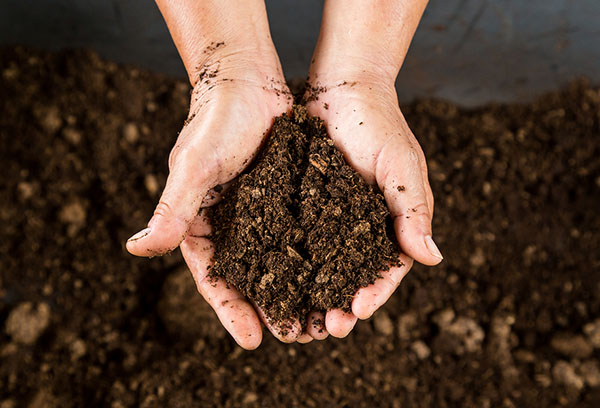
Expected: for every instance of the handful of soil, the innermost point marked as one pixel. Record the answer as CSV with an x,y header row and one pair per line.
x,y
301,230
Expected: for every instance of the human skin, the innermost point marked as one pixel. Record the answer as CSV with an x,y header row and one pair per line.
x,y
359,53
239,88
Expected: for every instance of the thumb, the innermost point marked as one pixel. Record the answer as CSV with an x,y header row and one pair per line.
x,y
179,203
410,201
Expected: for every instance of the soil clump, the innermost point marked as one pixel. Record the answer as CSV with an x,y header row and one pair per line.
x,y
301,231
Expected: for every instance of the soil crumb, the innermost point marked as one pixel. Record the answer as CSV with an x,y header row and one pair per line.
x,y
301,230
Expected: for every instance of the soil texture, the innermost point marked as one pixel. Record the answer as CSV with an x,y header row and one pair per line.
x,y
301,231
511,318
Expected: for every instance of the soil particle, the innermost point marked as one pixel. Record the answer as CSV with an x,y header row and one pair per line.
x,y
406,325
250,398
73,213
131,133
49,118
592,331
460,335
590,372
564,373
151,184
72,135
78,349
26,190
420,349
26,322
383,324
571,345
499,345
8,403
478,258
301,231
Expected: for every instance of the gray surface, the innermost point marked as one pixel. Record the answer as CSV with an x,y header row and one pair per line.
x,y
467,51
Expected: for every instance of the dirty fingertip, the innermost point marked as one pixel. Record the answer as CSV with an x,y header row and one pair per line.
x,y
339,323
304,338
249,340
364,305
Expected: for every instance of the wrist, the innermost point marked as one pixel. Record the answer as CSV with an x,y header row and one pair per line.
x,y
366,41
233,61
220,32
334,68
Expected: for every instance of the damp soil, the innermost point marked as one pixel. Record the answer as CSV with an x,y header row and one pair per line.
x,y
301,230
510,318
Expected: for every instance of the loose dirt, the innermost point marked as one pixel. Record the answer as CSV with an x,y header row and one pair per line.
x,y
510,318
301,231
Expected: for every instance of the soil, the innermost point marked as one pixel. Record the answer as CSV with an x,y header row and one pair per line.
x,y
301,231
510,318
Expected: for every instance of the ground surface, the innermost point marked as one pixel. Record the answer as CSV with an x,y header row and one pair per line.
x,y
510,318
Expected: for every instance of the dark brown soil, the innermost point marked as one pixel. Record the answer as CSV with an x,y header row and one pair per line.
x,y
301,231
511,318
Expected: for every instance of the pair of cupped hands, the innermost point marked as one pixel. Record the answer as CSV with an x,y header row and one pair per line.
x,y
236,96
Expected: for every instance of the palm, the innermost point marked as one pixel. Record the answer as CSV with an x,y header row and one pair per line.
x,y
228,121
367,125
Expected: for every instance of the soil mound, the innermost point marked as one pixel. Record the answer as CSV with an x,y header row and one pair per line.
x,y
301,230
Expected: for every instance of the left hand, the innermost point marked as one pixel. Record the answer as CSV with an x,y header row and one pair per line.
x,y
365,122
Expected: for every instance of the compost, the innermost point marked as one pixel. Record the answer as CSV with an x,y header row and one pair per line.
x,y
301,231
510,318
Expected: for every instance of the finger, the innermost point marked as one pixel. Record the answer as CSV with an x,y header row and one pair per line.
x,y
315,326
235,313
286,332
368,299
400,172
304,338
200,227
187,184
214,195
339,323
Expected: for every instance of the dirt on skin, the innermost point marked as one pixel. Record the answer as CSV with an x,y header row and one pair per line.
x,y
301,230
510,318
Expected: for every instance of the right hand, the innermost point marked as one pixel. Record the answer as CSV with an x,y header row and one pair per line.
x,y
231,112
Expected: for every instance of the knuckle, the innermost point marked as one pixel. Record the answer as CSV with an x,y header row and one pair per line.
x,y
412,155
430,198
408,263
420,211
186,159
182,155
174,156
424,218
415,151
420,208
163,209
389,286
423,167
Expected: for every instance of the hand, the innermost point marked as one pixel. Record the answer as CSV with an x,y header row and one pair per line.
x,y
239,88
232,109
364,120
354,71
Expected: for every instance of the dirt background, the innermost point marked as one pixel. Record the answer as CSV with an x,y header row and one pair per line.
x,y
511,317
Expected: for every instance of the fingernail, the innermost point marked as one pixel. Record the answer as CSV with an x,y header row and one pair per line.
x,y
140,234
432,247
